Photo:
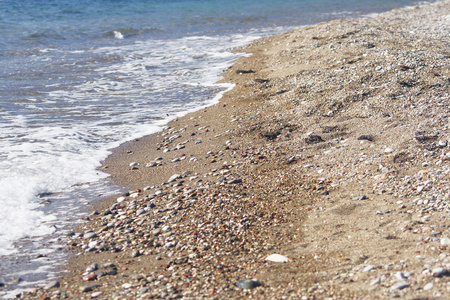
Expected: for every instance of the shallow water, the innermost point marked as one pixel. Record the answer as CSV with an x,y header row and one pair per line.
x,y
79,78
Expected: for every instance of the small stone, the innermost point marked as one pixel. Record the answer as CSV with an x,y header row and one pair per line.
x,y
133,164
442,144
121,199
313,139
90,277
388,150
400,276
400,286
100,273
90,235
445,241
96,294
277,258
235,181
51,285
173,178
89,288
359,198
375,281
112,272
126,286
248,284
439,272
428,286
109,265
368,268
91,268
135,253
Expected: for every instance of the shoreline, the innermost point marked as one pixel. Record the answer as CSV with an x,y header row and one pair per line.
x,y
337,139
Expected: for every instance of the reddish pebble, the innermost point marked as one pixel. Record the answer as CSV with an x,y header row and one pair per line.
x,y
90,277
124,268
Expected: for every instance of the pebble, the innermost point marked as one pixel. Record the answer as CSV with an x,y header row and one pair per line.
x,y
248,284
442,144
174,178
400,276
445,241
439,272
96,294
428,286
85,289
358,198
91,268
90,277
90,235
368,268
51,285
235,181
127,286
388,150
400,286
277,258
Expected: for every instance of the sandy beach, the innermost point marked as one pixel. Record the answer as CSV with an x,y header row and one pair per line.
x,y
332,151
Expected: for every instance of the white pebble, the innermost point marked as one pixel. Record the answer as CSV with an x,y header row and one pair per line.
x,y
96,294
439,271
126,286
445,241
400,276
400,286
277,258
428,286
388,150
368,268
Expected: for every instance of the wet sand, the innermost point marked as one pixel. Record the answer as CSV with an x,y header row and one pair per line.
x,y
331,150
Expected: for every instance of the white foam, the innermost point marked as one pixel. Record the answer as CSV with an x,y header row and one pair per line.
x,y
118,35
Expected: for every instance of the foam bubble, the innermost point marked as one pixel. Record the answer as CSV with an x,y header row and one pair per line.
x,y
118,35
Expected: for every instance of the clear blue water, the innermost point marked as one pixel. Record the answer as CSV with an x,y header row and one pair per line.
x,y
80,77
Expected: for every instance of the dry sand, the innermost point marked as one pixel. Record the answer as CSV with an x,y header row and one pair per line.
x,y
332,150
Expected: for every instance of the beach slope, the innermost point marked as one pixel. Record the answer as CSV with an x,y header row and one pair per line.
x,y
332,151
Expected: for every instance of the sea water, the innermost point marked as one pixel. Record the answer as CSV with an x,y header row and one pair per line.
x,y
80,77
